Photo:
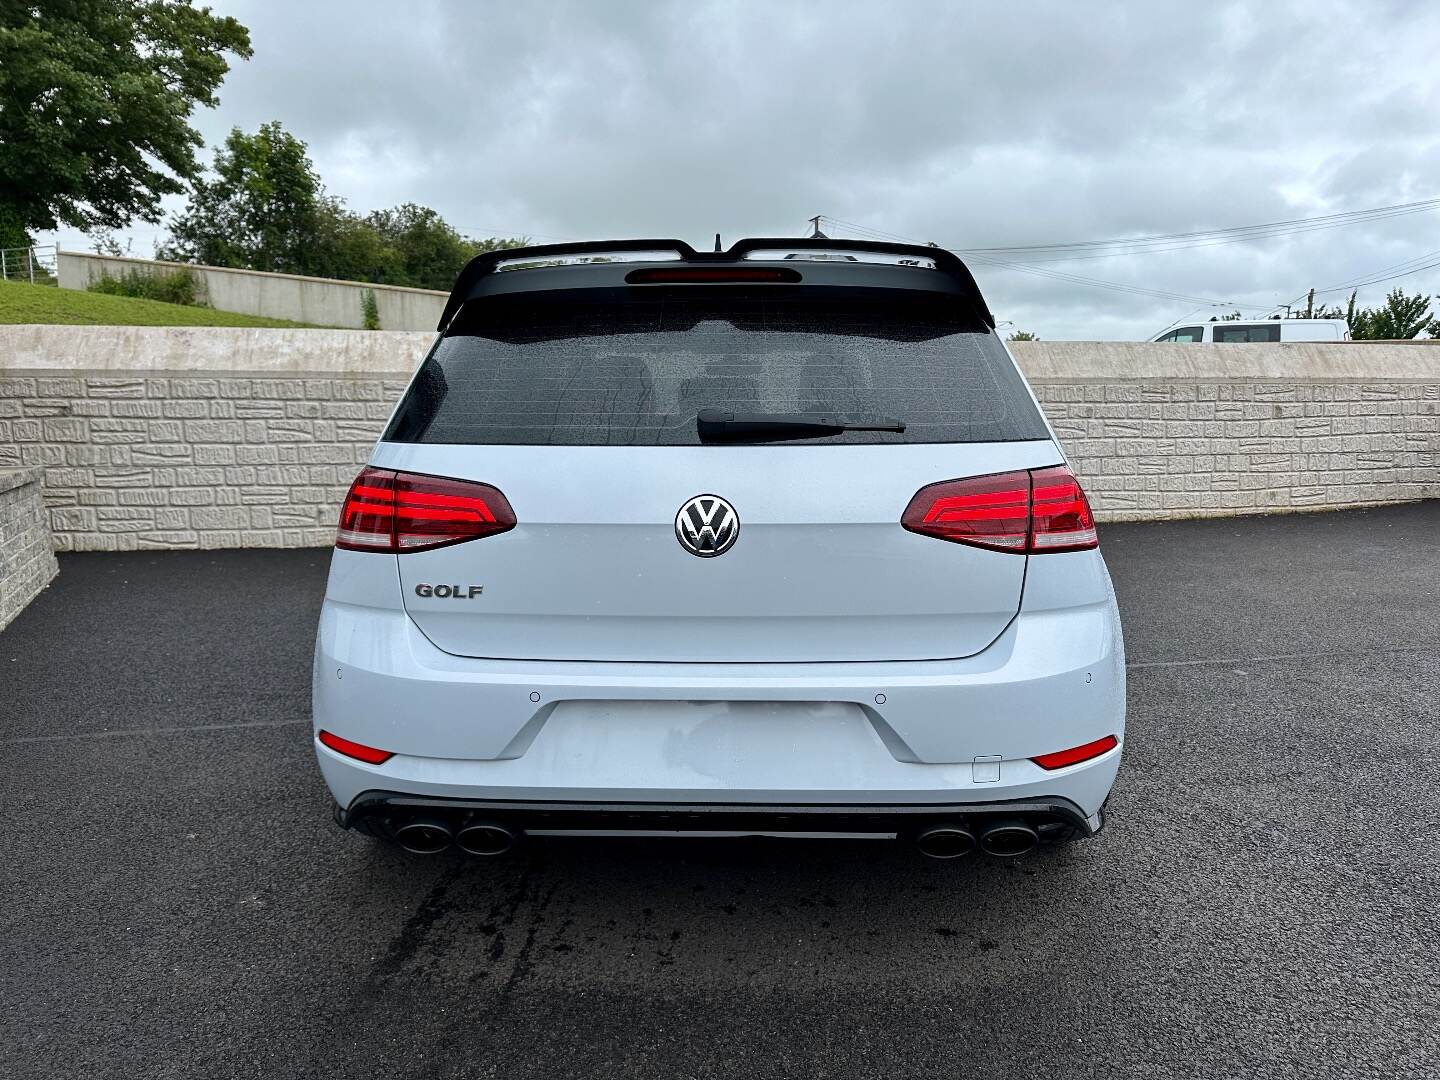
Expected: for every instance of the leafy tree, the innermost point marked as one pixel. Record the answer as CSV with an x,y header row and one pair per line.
x,y
95,105
265,208
262,210
1023,335
426,251
1401,318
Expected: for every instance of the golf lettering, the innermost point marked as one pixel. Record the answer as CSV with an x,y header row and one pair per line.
x,y
449,592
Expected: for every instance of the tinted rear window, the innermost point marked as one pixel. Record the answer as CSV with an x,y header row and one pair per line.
x,y
607,368
1268,332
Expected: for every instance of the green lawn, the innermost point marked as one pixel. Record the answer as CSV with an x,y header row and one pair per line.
x,y
26,303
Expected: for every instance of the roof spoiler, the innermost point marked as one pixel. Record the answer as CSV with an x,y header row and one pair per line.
x,y
468,284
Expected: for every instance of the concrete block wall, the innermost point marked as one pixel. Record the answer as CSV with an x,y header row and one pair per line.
x,y
215,437
27,558
161,437
320,301
1165,431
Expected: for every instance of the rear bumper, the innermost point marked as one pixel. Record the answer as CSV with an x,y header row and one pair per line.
x,y
934,734
376,810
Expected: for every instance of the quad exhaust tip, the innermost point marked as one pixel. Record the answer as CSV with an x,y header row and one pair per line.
x,y
430,835
1008,838
424,835
946,841
484,838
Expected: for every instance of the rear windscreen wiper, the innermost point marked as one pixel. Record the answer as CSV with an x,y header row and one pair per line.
x,y
720,425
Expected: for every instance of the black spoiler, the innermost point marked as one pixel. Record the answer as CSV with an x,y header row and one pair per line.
x,y
471,282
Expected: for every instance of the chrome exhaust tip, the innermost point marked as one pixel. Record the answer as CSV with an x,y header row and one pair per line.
x,y
424,835
1008,838
945,841
485,838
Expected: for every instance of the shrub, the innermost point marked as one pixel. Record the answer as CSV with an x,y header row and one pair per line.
x,y
370,310
170,286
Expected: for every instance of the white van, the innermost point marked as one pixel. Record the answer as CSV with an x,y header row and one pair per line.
x,y
1260,330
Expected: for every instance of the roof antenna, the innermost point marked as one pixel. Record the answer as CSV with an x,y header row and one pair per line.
x,y
717,241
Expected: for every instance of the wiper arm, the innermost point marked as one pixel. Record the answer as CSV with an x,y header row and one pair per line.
x,y
720,425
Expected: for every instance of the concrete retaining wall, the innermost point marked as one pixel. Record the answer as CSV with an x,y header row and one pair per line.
x,y
320,301
215,437
27,558
1163,431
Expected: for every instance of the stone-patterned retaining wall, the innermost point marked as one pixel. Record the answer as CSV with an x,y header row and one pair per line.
x,y
1164,448
215,437
27,561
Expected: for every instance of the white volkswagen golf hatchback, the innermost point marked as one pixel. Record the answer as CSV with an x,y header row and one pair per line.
x,y
763,540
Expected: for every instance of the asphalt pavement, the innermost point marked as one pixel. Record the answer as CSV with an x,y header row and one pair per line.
x,y
176,902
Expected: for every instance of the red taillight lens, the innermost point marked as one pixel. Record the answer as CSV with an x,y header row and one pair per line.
x,y
987,511
367,518
358,751
1028,511
404,512
1060,517
431,511
1076,754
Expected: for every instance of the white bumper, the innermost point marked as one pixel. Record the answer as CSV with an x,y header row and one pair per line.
x,y
838,733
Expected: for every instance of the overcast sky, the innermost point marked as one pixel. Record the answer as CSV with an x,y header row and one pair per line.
x,y
970,125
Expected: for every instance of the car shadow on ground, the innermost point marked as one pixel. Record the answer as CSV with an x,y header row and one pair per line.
x,y
725,900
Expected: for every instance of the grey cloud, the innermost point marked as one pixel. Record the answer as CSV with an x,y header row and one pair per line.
x,y
971,125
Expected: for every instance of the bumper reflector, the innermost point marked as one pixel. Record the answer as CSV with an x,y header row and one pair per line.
x,y
1076,754
359,752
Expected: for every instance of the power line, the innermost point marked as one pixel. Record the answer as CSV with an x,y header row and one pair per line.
x,y
1058,275
1343,218
1416,265
1137,245
1116,286
1400,270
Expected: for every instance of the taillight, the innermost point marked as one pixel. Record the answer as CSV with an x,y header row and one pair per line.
x,y
987,511
402,512
1060,517
367,518
1025,512
359,751
1076,754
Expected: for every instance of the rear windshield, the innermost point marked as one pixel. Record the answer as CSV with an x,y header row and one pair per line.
x,y
605,368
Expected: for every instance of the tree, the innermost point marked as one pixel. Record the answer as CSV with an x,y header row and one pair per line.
x,y
95,105
1401,318
1023,335
428,251
264,209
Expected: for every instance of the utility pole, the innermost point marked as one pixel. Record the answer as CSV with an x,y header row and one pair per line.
x,y
815,233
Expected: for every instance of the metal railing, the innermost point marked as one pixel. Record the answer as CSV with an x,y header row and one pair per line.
x,y
36,264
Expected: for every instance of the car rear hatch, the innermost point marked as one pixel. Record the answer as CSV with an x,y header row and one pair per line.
x,y
580,405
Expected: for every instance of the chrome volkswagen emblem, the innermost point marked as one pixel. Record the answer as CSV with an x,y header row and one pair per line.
x,y
707,526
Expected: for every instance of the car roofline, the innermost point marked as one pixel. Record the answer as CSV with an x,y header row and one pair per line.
x,y
471,281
